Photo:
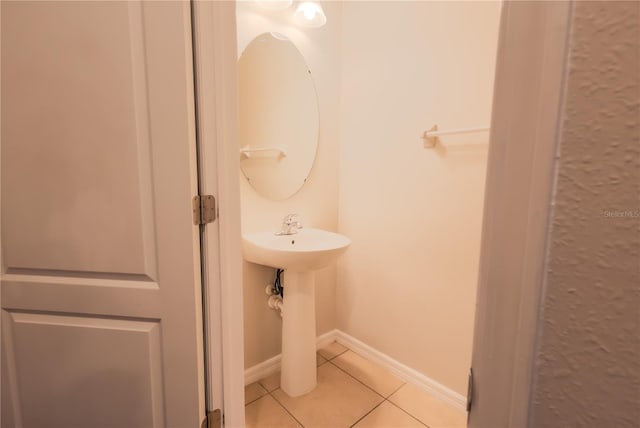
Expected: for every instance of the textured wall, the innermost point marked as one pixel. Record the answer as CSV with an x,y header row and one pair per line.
x,y
317,201
407,284
588,365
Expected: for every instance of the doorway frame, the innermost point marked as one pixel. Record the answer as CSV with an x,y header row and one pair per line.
x,y
214,39
527,115
508,298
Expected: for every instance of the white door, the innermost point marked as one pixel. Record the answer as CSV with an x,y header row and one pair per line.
x,y
100,285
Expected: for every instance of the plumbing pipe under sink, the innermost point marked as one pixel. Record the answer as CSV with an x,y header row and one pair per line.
x,y
274,301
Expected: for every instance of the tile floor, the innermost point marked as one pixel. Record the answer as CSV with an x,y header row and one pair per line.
x,y
351,392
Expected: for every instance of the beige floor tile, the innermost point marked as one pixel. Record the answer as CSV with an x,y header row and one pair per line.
x,y
387,415
253,392
372,375
272,381
337,401
266,412
332,350
429,410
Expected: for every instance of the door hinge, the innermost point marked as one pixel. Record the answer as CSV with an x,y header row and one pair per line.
x,y
470,390
204,209
213,419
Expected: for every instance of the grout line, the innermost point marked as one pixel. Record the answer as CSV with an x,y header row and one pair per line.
x,y
394,404
256,399
377,365
395,390
358,380
384,398
285,408
267,389
366,414
336,355
392,392
253,401
326,360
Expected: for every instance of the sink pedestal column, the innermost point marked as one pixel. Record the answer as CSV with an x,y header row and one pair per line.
x,y
298,372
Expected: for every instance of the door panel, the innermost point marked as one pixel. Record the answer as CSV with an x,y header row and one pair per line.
x,y
75,76
119,358
100,285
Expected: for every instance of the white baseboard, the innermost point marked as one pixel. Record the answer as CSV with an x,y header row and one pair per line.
x,y
272,365
262,370
326,338
406,373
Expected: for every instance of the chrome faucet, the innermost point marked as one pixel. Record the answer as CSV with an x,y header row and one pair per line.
x,y
290,225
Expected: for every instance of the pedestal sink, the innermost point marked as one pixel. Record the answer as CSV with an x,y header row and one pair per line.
x,y
299,254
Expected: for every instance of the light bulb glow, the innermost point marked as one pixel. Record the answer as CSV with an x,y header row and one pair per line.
x,y
310,14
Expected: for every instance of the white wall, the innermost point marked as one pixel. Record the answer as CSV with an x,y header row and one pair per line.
x,y
317,201
407,284
587,369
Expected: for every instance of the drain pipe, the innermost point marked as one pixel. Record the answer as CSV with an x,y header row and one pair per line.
x,y
275,301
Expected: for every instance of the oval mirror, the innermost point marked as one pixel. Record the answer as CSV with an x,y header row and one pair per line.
x,y
278,110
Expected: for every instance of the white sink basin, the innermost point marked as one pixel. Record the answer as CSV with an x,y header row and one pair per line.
x,y
307,250
300,254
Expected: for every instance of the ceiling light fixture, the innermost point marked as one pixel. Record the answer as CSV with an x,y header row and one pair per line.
x,y
310,14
